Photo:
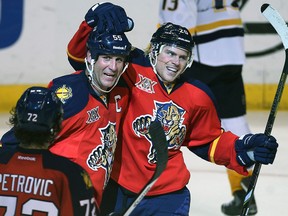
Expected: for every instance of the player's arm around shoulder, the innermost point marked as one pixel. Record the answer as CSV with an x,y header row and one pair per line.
x,y
76,49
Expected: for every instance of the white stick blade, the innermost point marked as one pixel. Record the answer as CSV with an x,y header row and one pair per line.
x,y
277,22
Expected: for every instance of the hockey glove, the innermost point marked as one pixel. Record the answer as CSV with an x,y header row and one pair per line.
x,y
108,17
255,148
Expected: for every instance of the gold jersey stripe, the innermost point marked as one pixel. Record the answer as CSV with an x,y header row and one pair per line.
x,y
213,149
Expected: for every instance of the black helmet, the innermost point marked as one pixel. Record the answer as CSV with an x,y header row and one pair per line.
x,y
38,110
171,34
107,43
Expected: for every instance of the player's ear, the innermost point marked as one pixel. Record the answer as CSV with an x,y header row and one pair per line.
x,y
88,57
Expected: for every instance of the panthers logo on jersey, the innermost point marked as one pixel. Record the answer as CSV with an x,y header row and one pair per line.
x,y
103,155
171,117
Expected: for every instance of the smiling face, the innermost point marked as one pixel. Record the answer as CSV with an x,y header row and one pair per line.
x,y
171,62
107,70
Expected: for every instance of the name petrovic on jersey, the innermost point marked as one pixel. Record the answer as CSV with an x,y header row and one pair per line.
x,y
25,184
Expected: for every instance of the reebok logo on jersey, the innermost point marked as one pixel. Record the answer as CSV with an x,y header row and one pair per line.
x,y
119,47
26,158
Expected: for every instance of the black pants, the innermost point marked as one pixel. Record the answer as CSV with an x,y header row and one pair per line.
x,y
226,83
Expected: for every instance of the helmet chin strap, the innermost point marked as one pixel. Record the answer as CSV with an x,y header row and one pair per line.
x,y
153,61
153,57
94,84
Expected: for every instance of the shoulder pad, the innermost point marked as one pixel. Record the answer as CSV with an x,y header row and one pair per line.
x,y
73,91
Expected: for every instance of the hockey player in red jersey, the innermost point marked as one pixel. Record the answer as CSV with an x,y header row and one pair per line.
x,y
94,100
188,113
217,25
32,179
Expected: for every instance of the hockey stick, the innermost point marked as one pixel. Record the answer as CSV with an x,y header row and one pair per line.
x,y
280,26
159,142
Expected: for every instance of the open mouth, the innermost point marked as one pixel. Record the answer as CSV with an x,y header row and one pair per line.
x,y
110,74
172,69
109,77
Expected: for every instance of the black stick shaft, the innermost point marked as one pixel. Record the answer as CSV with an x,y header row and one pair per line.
x,y
268,130
159,142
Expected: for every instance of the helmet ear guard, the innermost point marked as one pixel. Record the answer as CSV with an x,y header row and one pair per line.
x,y
88,57
89,61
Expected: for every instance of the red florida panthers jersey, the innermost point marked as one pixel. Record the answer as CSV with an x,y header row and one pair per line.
x,y
188,115
36,182
89,130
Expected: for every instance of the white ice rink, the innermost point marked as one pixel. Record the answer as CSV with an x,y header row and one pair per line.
x,y
209,183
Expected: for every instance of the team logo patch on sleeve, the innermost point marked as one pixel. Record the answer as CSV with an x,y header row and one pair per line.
x,y
64,93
